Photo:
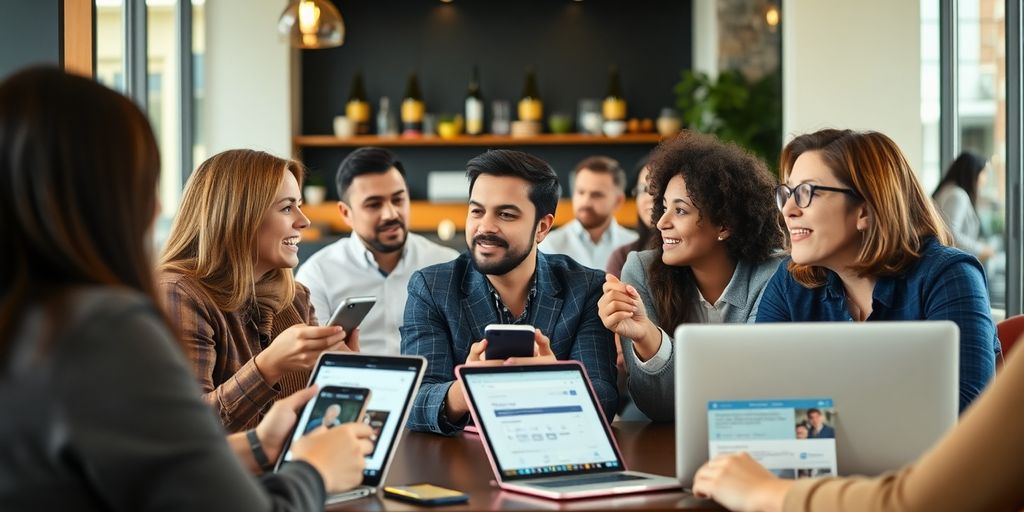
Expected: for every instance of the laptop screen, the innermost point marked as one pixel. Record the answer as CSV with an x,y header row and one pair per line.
x,y
540,420
391,381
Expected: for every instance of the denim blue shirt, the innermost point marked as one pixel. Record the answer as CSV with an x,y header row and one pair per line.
x,y
945,284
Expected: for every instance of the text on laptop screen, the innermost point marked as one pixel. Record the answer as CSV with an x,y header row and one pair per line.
x,y
390,385
541,423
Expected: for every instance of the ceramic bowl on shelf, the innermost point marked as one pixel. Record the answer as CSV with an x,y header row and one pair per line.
x,y
614,128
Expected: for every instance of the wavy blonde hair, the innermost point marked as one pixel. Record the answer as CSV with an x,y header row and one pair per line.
x,y
214,236
902,215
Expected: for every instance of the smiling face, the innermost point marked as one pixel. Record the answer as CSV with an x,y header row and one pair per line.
x,y
595,198
827,233
686,239
377,209
278,236
644,200
501,227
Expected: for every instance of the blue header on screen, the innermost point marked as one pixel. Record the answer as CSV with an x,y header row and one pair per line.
x,y
803,403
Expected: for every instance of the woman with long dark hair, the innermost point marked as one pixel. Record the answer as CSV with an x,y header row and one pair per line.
x,y
100,409
956,197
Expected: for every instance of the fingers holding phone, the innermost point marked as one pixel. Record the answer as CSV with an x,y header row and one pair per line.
x,y
296,348
541,351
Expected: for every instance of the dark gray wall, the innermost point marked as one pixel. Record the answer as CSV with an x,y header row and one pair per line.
x,y
571,44
30,33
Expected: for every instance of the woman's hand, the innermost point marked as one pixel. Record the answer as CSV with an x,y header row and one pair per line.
x,y
740,483
280,420
338,453
297,348
622,311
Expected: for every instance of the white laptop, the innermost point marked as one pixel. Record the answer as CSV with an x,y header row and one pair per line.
x,y
393,382
894,385
545,435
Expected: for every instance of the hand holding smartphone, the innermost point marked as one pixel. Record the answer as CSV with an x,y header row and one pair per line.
x,y
508,340
333,406
350,313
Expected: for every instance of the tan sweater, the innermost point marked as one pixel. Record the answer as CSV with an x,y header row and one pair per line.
x,y
221,346
978,465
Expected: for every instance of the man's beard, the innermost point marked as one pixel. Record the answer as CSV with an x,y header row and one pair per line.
x,y
509,262
378,246
593,220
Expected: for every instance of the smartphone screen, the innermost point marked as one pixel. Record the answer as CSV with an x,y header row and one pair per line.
x,y
333,406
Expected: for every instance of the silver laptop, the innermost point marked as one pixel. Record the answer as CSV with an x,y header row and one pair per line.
x,y
894,385
545,435
393,382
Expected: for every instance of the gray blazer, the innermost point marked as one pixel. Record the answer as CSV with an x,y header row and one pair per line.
x,y
654,392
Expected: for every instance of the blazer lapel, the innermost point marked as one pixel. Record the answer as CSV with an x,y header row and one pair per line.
x,y
477,305
547,305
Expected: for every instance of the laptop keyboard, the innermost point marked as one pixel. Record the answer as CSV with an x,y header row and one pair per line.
x,y
600,479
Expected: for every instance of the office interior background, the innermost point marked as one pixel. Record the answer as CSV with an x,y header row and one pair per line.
x,y
938,76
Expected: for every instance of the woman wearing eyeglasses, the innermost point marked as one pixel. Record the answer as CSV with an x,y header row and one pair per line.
x,y
866,244
720,238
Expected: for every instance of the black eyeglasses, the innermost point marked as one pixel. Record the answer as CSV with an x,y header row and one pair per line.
x,y
804,192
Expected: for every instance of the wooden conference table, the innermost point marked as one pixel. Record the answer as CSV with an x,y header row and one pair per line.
x,y
460,463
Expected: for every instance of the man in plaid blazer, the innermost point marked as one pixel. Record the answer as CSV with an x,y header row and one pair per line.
x,y
504,279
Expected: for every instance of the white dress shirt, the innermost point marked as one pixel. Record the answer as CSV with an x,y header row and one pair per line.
x,y
574,241
346,268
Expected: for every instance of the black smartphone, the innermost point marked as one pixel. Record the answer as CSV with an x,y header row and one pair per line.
x,y
508,340
425,494
350,313
332,406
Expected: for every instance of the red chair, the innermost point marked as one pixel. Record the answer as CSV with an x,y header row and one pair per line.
x,y
1009,330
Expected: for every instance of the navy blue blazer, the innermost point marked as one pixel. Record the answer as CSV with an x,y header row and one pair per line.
x,y
450,304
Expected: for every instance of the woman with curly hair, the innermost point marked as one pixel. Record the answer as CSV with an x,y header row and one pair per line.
x,y
720,246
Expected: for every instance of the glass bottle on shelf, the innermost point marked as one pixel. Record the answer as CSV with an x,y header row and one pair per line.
x,y
358,107
530,106
412,108
474,106
387,124
614,106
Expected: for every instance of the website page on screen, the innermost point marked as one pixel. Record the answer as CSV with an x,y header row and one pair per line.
x,y
541,423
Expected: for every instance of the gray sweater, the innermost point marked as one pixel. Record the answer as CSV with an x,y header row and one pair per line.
x,y
101,412
653,390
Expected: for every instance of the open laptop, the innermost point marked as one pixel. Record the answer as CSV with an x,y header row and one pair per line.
x,y
894,385
393,382
545,434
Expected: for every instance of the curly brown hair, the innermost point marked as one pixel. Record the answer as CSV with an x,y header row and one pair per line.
x,y
731,188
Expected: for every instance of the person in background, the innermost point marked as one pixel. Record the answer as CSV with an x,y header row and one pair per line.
x,y
599,189
380,255
956,197
503,279
101,409
226,279
721,244
817,428
976,466
866,244
647,234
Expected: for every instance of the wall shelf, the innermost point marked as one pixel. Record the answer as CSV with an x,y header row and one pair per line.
x,y
569,139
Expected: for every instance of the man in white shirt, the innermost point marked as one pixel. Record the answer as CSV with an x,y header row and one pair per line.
x,y
599,185
380,255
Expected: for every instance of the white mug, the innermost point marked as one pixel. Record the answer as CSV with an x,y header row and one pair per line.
x,y
342,127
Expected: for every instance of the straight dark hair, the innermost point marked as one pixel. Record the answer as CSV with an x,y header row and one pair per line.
x,y
544,187
79,168
964,172
366,160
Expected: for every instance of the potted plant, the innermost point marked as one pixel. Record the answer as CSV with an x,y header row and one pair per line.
x,y
314,190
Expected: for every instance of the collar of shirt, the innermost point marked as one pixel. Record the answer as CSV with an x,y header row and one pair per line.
x,y
504,314
882,294
362,255
606,238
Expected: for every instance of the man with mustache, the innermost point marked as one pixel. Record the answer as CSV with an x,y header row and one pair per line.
x,y
381,254
599,186
503,279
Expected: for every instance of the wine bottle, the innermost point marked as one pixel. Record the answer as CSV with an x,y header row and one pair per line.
x,y
412,108
614,106
358,107
530,106
387,124
474,106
